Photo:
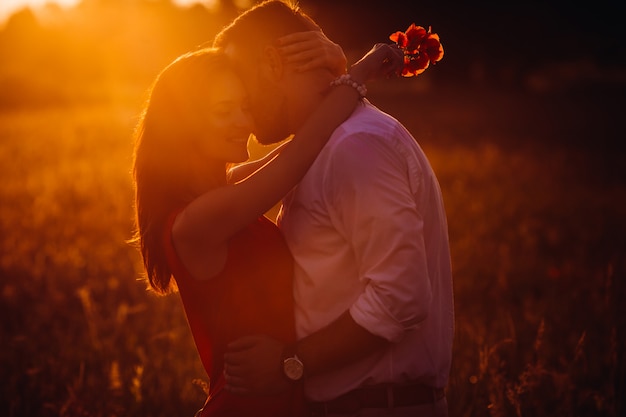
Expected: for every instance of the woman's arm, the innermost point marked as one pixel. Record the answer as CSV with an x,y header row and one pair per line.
x,y
207,222
244,170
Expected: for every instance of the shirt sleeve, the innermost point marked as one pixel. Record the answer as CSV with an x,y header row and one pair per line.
x,y
372,200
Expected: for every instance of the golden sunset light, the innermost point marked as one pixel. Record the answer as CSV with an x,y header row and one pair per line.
x,y
521,121
8,7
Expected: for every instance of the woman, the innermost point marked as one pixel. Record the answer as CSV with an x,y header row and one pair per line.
x,y
229,263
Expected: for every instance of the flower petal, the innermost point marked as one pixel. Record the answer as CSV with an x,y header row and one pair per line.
x,y
418,64
399,38
432,47
415,35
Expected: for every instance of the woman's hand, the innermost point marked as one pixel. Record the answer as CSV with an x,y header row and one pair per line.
x,y
312,49
382,61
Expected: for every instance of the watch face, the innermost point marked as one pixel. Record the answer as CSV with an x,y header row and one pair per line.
x,y
293,368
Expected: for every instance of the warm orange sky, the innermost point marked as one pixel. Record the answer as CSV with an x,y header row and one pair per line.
x,y
7,7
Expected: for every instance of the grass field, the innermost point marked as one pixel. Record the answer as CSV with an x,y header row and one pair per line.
x,y
537,233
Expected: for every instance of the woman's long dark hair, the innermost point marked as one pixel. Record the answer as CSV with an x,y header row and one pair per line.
x,y
169,168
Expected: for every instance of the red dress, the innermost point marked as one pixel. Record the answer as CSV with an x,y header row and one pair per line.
x,y
252,295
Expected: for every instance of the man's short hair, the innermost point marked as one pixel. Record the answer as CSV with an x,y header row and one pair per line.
x,y
262,25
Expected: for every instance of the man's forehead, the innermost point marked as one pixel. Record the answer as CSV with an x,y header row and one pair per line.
x,y
234,52
231,51
237,55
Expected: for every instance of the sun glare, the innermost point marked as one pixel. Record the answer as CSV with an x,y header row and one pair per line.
x,y
8,7
207,3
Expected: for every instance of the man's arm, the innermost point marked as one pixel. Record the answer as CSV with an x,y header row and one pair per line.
x,y
342,342
254,364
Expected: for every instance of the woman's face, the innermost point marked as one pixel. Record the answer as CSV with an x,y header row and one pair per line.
x,y
228,119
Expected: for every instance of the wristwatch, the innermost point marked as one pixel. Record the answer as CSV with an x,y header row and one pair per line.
x,y
293,368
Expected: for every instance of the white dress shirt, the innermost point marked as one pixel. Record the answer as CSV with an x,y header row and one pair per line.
x,y
368,232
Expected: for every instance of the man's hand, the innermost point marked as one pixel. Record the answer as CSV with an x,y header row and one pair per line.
x,y
253,366
312,49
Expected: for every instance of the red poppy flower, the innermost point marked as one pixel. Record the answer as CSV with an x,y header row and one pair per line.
x,y
415,35
421,48
399,38
431,46
416,66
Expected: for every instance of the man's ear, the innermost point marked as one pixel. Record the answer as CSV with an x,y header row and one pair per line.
x,y
273,63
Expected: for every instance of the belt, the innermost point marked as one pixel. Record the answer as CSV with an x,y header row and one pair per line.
x,y
379,396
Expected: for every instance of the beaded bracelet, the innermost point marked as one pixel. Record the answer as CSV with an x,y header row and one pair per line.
x,y
346,79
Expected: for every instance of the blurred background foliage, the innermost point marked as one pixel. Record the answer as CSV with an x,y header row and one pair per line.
x,y
109,50
519,44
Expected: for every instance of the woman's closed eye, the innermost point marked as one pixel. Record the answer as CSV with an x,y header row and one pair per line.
x,y
225,110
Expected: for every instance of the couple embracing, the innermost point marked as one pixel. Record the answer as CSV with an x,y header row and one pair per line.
x,y
342,308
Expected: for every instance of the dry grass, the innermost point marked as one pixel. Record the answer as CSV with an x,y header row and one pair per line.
x,y
537,244
81,335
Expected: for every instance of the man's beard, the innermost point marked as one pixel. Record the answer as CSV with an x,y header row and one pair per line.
x,y
271,118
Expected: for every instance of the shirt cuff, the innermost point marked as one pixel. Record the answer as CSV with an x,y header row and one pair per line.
x,y
373,317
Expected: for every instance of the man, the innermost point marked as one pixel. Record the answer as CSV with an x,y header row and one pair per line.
x,y
368,232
